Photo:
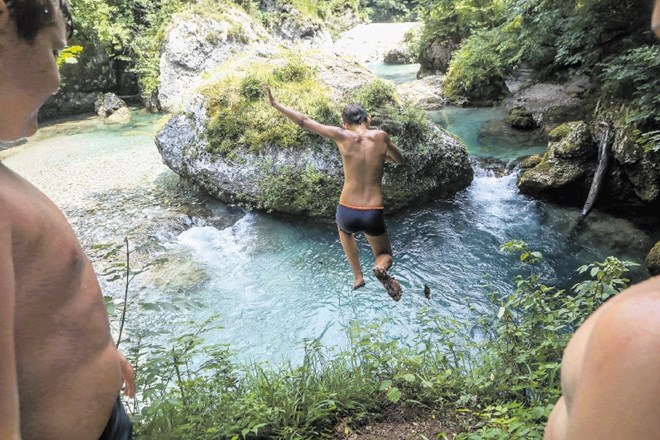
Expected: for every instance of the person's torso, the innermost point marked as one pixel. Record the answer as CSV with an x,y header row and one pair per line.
x,y
363,157
68,370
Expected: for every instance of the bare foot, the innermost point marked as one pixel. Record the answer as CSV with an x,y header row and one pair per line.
x,y
390,284
357,283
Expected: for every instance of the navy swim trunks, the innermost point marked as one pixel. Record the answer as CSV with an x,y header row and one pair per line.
x,y
119,426
352,219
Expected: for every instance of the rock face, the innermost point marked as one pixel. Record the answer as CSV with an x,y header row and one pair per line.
x,y
81,83
567,160
653,260
434,57
196,44
550,104
305,179
400,55
567,168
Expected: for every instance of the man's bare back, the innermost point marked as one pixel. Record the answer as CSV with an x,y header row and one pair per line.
x,y
364,153
611,372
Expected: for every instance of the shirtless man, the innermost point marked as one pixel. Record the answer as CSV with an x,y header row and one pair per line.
x,y
60,374
363,152
611,372
655,19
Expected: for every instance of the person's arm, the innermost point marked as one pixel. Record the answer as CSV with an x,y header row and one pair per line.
x,y
328,131
617,397
393,154
9,408
128,375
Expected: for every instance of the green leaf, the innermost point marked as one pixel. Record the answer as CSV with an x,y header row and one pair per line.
x,y
394,395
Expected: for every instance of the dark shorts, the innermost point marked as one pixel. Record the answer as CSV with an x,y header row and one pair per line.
x,y
119,426
352,219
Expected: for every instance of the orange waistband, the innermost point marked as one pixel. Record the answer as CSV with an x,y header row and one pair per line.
x,y
361,207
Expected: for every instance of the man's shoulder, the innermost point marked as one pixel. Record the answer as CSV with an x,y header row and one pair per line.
x,y
631,321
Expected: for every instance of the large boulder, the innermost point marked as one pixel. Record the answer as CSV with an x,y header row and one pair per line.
x,y
632,180
550,104
425,93
566,162
112,109
435,56
197,43
229,141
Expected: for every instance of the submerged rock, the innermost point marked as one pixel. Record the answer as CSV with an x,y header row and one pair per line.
x,y
230,142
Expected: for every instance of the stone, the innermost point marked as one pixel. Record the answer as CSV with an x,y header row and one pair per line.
x,y
425,93
653,260
435,56
562,170
521,118
112,109
303,179
400,55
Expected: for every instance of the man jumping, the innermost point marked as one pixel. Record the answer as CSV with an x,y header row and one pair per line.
x,y
364,153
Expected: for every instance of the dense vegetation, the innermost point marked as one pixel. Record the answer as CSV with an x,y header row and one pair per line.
x,y
501,374
608,40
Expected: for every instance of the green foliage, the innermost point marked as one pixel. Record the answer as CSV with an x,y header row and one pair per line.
x,y
390,10
239,119
69,55
456,20
505,381
635,77
477,70
375,95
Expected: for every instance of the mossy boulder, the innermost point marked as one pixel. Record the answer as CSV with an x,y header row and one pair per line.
x,y
566,162
520,118
228,140
653,260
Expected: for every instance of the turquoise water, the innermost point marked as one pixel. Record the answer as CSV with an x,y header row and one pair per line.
x,y
397,73
277,280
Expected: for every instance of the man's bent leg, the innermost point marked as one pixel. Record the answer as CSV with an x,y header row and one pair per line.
x,y
382,249
350,249
119,426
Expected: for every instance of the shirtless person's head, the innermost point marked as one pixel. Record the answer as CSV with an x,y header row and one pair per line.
x,y
32,33
355,115
60,374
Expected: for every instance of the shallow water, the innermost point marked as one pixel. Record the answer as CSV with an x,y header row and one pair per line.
x,y
278,280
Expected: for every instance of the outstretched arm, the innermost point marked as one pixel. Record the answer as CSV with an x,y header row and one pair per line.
x,y
393,154
9,406
328,131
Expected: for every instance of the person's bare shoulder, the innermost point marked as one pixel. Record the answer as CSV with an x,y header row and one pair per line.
x,y
619,384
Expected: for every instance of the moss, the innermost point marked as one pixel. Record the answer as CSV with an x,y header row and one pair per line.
x,y
560,132
240,117
294,192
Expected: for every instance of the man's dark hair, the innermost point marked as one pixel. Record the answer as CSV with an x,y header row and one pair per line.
x,y
31,16
354,114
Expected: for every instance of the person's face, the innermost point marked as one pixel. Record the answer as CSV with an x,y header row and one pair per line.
x,y
28,74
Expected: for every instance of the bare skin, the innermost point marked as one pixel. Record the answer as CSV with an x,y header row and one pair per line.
x,y
610,380
655,19
364,153
60,373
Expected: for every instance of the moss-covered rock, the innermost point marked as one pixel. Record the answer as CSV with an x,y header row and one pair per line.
x,y
520,118
567,160
231,142
653,260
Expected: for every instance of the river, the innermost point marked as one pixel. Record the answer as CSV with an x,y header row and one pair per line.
x,y
276,281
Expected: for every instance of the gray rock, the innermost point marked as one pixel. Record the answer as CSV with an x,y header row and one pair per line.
x,y
112,109
400,55
520,118
653,260
307,179
435,57
550,104
564,164
197,44
425,93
